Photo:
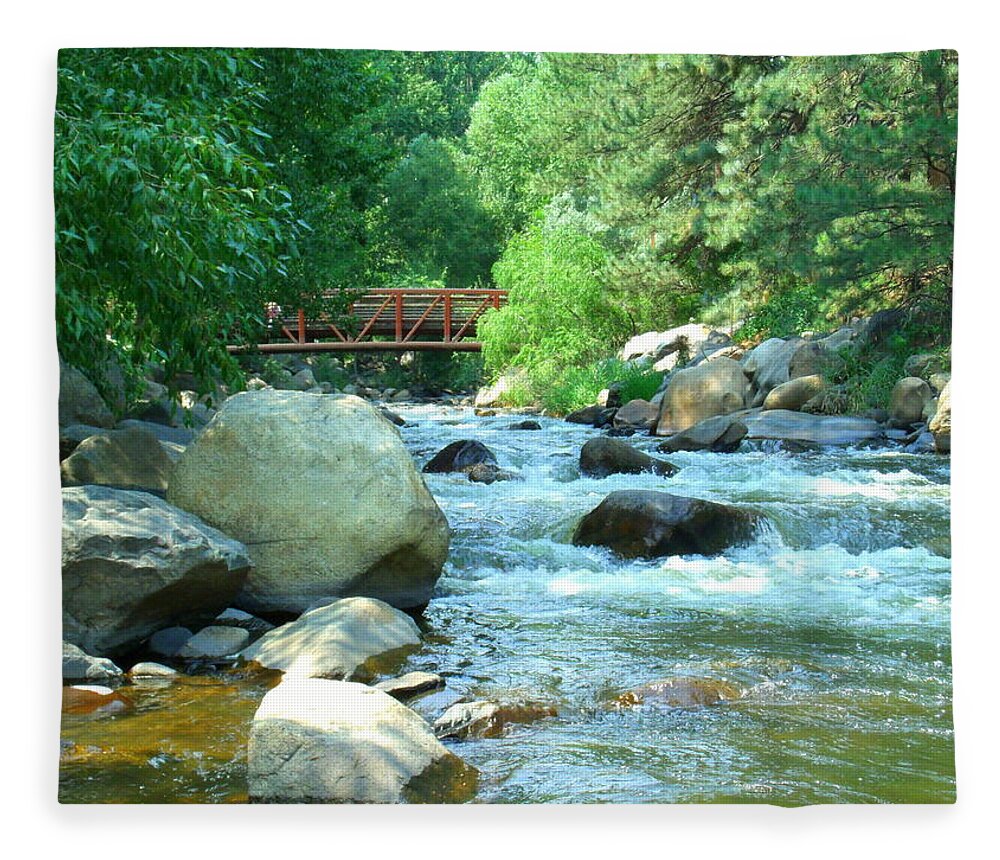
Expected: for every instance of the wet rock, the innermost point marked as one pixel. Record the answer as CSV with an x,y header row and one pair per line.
x,y
321,741
460,457
920,442
238,618
603,456
79,400
803,429
411,684
77,665
130,458
694,394
680,692
323,493
620,432
132,564
907,401
595,416
392,417
149,669
343,639
637,414
486,719
940,424
611,397
524,425
93,700
488,473
795,393
721,434
649,524
170,640
214,642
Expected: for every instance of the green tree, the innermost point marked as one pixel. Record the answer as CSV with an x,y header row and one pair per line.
x,y
171,225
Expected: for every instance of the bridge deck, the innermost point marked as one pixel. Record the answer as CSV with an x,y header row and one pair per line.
x,y
403,319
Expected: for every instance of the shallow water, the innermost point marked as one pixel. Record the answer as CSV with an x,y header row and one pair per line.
x,y
835,623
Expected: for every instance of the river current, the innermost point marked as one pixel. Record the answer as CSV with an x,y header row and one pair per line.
x,y
835,623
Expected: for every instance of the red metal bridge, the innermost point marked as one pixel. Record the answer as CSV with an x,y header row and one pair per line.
x,y
388,319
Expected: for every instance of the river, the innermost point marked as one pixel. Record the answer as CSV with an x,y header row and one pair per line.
x,y
835,623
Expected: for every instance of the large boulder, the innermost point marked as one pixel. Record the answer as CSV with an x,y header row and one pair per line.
x,y
602,456
908,399
656,345
649,524
940,425
795,393
132,564
721,434
638,414
767,366
694,394
803,429
131,458
79,400
337,640
323,493
460,456
319,741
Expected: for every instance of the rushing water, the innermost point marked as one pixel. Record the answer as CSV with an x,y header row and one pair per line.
x,y
835,623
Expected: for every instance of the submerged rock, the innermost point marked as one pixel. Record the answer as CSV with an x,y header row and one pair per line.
x,y
488,473
524,425
411,684
604,456
649,524
485,719
460,456
324,494
132,564
321,741
94,700
337,640
680,692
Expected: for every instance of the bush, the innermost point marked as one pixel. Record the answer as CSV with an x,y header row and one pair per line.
x,y
785,313
579,386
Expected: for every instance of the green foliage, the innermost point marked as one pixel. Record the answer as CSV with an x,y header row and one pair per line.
x,y
785,313
558,310
434,217
576,387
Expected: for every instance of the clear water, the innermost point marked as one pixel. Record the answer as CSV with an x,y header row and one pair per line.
x,y
835,623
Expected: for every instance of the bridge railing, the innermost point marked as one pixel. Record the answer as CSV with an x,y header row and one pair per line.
x,y
442,319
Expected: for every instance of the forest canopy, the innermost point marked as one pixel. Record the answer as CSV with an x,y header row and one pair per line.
x,y
610,193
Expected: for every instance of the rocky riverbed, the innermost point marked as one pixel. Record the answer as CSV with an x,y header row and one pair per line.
x,y
808,664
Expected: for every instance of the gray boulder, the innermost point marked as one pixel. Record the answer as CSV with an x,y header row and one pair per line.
x,y
169,641
213,643
77,665
940,425
649,524
79,400
805,429
321,741
638,414
460,456
795,393
488,719
721,434
714,388
348,638
908,399
767,366
323,493
602,456
411,684
130,458
132,564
